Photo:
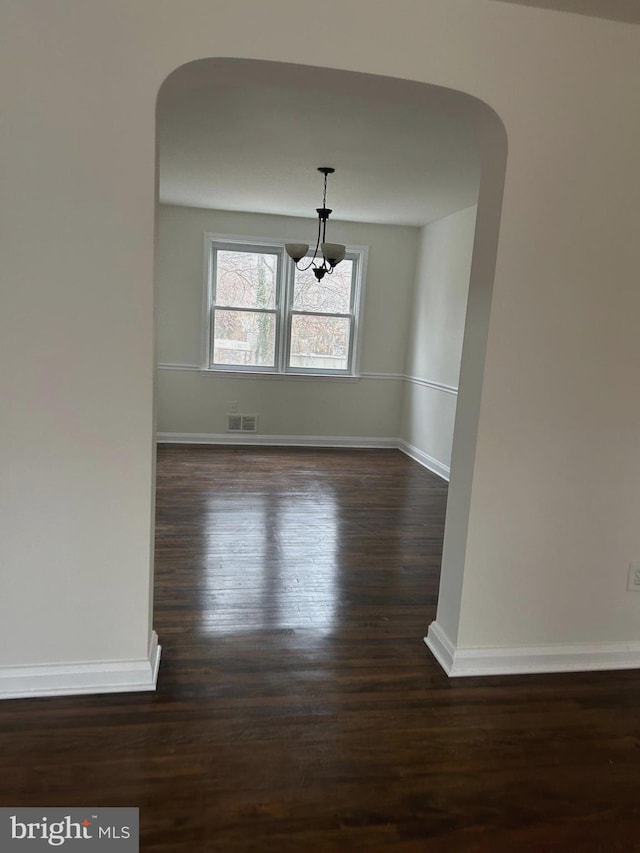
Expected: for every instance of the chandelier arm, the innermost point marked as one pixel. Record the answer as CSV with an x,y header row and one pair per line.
x,y
315,252
304,269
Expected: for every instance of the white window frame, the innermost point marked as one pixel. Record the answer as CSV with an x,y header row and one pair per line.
x,y
283,310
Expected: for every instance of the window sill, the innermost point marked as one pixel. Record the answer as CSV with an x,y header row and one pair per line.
x,y
327,377
265,374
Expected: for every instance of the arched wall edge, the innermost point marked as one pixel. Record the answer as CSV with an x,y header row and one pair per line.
x,y
491,140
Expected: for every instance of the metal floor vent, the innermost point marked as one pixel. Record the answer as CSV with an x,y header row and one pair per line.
x,y
242,423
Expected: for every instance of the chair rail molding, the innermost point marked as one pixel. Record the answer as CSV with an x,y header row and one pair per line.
x,y
239,374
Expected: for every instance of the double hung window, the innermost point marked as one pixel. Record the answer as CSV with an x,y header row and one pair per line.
x,y
265,316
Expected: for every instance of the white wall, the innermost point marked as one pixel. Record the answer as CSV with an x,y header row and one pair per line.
x,y
434,348
191,402
549,478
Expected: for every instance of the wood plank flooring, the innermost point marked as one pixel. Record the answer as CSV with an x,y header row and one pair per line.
x,y
297,706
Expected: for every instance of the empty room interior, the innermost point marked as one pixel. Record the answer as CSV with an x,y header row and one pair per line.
x,y
321,447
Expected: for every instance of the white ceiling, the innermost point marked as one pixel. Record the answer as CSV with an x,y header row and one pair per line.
x,y
244,135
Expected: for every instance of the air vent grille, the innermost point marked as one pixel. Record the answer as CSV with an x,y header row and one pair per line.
x,y
242,423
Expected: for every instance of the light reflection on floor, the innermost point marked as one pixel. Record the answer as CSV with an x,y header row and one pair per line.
x,y
276,570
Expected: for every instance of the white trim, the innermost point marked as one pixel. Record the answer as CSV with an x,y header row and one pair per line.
x,y
276,440
283,310
427,383
205,319
440,647
424,459
196,368
249,374
418,456
127,676
523,660
358,307
242,239
383,376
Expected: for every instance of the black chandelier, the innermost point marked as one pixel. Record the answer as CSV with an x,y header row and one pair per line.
x,y
332,253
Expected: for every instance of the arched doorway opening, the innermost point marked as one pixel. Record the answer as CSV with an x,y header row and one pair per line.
x,y
241,139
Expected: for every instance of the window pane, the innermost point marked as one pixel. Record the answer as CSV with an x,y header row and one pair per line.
x,y
319,342
331,295
246,279
244,338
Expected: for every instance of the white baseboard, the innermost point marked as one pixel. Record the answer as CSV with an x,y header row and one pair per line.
x,y
523,660
128,676
424,459
307,441
440,647
275,440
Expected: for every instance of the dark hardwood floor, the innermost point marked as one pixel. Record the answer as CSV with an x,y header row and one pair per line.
x,y
297,706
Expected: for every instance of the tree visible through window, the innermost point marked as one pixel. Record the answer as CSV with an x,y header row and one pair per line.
x,y
246,285
265,315
321,319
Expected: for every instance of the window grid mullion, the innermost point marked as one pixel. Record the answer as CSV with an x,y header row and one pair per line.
x,y
321,314
246,310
